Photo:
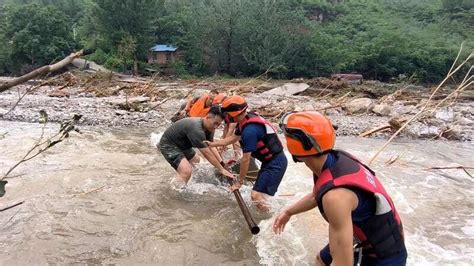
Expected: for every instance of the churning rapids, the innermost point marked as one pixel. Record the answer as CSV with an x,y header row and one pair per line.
x,y
104,197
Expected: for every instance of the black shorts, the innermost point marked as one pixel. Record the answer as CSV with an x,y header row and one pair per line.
x,y
173,154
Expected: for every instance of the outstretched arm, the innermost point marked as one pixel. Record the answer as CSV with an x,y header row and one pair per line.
x,y
223,142
306,203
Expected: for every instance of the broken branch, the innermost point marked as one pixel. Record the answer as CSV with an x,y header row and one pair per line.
x,y
373,130
12,206
40,72
425,106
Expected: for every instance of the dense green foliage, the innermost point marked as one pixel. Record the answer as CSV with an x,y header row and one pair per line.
x,y
288,38
38,35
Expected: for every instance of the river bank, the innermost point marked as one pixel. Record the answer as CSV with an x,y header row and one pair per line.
x,y
150,103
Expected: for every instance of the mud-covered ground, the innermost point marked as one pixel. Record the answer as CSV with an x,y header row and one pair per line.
x,y
145,103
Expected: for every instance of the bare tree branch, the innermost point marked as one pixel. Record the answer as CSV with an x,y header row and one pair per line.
x,y
424,108
44,144
40,72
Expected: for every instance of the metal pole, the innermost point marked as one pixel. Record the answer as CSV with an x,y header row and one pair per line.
x,y
245,211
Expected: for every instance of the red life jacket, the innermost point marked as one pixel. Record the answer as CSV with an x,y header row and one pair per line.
x,y
380,235
270,145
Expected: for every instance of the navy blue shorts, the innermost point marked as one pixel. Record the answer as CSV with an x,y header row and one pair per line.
x,y
398,260
270,175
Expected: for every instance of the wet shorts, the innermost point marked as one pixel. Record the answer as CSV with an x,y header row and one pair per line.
x,y
270,175
173,154
398,260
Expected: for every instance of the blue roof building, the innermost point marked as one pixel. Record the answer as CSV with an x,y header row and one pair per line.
x,y
163,48
163,54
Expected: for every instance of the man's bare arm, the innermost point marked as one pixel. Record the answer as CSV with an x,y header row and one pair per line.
x,y
223,142
338,205
209,155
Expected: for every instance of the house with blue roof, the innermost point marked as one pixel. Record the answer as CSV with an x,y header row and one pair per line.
x,y
163,54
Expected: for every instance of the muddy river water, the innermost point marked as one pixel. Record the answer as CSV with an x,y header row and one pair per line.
x,y
104,197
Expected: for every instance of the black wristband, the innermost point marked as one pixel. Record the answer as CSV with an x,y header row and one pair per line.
x,y
222,163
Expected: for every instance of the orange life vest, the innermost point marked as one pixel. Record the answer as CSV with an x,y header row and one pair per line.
x,y
198,109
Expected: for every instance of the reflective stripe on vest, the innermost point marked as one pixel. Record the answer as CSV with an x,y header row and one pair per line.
x,y
198,109
382,234
270,145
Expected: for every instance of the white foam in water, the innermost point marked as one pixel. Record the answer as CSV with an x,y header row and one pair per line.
x,y
287,248
403,206
155,138
423,252
204,181
284,249
469,228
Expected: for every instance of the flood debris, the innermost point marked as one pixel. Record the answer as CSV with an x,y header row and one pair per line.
x,y
112,99
288,89
351,78
39,72
429,106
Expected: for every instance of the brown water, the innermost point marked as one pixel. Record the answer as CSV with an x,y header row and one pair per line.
x,y
104,197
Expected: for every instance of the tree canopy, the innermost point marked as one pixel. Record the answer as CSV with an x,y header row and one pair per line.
x,y
287,38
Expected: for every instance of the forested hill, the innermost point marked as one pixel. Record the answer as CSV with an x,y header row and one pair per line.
x,y
382,40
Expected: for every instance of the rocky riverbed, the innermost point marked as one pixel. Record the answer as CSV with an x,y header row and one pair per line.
x,y
355,109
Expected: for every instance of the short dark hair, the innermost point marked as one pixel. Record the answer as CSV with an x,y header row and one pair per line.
x,y
214,91
216,111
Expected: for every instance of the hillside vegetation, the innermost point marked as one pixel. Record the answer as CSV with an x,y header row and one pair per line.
x,y
382,40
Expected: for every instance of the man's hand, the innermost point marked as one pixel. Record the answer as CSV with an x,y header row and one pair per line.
x,y
226,173
235,185
280,222
222,149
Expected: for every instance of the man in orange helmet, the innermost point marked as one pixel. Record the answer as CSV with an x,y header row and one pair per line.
x,y
348,194
199,106
258,139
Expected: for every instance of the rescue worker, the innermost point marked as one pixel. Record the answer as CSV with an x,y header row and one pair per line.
x,y
258,139
348,194
199,106
178,141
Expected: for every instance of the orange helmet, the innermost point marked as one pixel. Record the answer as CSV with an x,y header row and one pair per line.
x,y
218,99
308,133
234,105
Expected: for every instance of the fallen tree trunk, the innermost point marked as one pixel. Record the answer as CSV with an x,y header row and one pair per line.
x,y
374,130
40,72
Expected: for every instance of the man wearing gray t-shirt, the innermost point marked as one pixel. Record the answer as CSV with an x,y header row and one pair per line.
x,y
178,141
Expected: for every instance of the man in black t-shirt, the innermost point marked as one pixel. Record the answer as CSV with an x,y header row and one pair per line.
x,y
180,138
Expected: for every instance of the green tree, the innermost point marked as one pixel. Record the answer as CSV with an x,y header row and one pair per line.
x,y
127,50
115,20
456,5
4,44
39,35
